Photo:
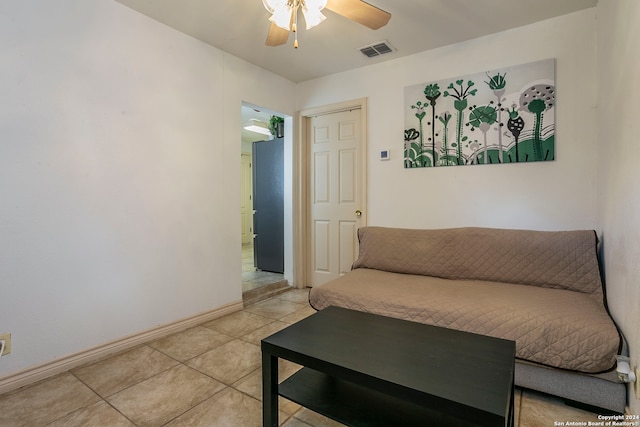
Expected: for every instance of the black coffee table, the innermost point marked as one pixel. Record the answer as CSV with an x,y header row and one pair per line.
x,y
362,369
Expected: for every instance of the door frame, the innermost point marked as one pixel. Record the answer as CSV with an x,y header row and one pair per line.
x,y
301,211
247,185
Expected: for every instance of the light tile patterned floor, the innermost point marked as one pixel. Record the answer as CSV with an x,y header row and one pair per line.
x,y
208,375
251,278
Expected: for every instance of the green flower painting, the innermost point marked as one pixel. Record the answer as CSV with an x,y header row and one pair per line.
x,y
498,116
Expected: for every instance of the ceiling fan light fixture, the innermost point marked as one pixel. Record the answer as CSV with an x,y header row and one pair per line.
x,y
315,4
282,18
272,5
312,16
312,12
280,11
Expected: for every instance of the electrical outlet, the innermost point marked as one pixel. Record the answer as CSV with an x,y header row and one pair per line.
x,y
7,343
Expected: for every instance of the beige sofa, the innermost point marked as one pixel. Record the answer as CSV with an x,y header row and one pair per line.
x,y
541,289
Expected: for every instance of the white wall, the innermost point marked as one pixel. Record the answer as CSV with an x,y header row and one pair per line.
x,y
544,195
119,174
618,170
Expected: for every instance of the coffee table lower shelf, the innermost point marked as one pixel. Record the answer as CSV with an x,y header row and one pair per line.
x,y
356,405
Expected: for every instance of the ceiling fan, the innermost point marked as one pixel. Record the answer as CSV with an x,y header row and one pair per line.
x,y
284,16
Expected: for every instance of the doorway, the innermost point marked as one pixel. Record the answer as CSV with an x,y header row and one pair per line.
x,y
331,190
257,282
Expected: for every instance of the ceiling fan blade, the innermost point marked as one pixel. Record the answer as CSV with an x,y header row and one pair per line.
x,y
361,12
277,36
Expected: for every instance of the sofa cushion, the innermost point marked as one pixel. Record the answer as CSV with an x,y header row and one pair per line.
x,y
550,259
555,327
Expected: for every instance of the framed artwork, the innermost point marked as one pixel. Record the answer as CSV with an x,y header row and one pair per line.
x,y
498,116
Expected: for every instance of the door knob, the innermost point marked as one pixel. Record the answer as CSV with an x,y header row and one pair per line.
x,y
358,212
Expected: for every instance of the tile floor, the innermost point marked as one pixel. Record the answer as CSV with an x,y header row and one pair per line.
x,y
252,279
208,375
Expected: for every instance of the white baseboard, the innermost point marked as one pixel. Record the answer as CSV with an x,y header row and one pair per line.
x,y
46,370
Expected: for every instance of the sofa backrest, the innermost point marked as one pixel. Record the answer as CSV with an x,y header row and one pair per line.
x,y
552,259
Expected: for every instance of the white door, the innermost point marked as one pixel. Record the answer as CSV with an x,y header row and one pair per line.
x,y
335,193
246,209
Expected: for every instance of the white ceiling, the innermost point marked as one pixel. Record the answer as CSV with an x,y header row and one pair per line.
x,y
240,27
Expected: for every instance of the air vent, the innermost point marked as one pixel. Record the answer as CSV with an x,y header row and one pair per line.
x,y
377,49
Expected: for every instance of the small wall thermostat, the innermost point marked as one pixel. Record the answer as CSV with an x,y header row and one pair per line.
x,y
384,154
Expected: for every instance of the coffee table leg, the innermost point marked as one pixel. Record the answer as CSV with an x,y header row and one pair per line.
x,y
269,390
512,403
